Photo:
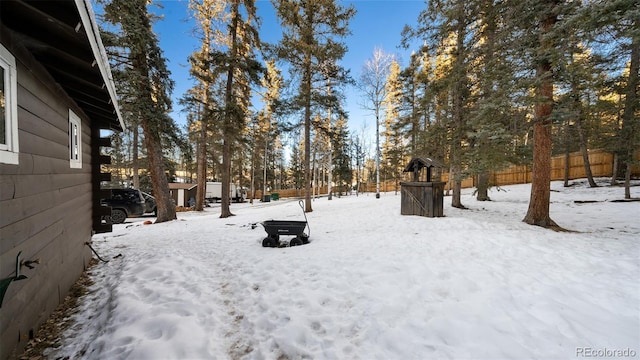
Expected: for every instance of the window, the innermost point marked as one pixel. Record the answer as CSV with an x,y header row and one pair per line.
x,y
75,141
8,108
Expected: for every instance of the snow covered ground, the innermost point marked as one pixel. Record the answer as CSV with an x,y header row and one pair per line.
x,y
372,284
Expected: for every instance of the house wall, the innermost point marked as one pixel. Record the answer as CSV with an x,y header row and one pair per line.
x,y
45,205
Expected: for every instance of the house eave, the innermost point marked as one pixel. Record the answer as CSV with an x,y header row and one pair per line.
x,y
63,36
93,34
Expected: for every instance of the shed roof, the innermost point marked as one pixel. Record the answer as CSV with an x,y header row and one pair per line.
x,y
420,162
63,36
175,186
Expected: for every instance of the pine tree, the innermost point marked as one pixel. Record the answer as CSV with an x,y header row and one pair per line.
x,y
492,108
423,118
241,68
204,12
616,23
538,212
540,28
226,68
446,27
579,80
342,156
311,37
149,87
416,102
296,167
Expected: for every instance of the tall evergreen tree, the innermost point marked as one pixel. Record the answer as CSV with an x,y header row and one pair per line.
x,y
204,12
149,88
540,28
226,67
311,37
616,23
579,81
446,27
416,102
342,155
425,105
241,69
296,167
492,109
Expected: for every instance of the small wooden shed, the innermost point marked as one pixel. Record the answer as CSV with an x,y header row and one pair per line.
x,y
182,193
423,196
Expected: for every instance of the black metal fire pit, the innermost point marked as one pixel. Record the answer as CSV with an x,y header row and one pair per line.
x,y
275,228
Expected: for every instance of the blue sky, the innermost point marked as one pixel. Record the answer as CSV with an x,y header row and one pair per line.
x,y
377,23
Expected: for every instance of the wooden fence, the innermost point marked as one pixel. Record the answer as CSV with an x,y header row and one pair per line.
x,y
601,166
289,193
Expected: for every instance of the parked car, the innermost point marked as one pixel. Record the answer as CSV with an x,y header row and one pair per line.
x,y
149,204
125,203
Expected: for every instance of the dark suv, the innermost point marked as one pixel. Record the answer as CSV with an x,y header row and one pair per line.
x,y
125,203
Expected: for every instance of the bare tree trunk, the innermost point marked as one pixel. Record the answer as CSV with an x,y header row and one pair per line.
x,y
230,116
538,212
135,156
567,166
201,162
585,154
614,170
330,172
483,187
306,83
225,202
458,108
253,176
629,121
164,203
395,184
377,152
449,181
264,171
582,139
456,198
307,142
627,182
567,140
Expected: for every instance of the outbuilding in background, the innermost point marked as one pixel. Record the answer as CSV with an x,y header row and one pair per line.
x,y
181,193
423,196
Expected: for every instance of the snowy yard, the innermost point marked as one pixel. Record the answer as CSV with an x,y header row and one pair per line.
x,y
372,284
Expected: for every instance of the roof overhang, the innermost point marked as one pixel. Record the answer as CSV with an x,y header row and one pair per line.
x,y
419,162
182,186
63,36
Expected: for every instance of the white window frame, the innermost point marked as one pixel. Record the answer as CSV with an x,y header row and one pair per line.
x,y
9,151
75,141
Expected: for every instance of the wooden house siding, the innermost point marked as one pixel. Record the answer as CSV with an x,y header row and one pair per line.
x,y
45,205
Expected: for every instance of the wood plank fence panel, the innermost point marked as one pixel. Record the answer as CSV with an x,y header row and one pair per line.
x,y
601,166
